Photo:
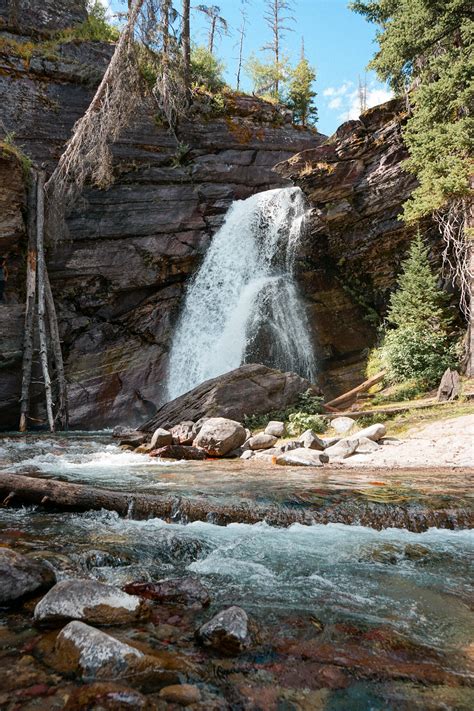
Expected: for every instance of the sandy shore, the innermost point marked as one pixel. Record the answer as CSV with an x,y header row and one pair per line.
x,y
445,443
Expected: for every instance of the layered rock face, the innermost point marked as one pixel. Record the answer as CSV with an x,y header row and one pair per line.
x,y
119,279
356,185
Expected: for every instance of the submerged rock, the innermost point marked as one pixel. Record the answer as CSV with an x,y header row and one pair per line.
x,y
161,438
310,440
187,590
275,428
107,695
179,451
219,436
302,457
261,441
227,632
182,694
374,432
183,433
20,575
90,601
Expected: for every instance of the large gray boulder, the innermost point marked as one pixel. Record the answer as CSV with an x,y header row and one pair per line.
x,y
373,432
228,632
219,436
262,441
249,390
20,575
302,458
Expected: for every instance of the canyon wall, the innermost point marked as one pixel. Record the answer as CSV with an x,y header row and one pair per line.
x,y
119,278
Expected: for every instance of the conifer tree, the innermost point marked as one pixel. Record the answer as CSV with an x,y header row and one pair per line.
x,y
301,94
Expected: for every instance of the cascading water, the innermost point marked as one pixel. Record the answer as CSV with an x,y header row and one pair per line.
x,y
243,304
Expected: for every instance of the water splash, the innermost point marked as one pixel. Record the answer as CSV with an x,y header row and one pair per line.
x,y
243,305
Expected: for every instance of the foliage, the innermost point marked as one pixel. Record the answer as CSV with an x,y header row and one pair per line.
x,y
299,422
308,405
96,28
266,76
418,345
206,70
311,403
408,390
8,147
368,420
426,45
301,95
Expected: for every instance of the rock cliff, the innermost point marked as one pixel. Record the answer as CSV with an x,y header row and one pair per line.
x,y
119,278
356,185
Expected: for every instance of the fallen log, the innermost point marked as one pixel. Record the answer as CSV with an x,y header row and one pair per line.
x,y
366,385
351,507
396,410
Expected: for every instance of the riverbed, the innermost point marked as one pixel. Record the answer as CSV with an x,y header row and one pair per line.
x,y
348,616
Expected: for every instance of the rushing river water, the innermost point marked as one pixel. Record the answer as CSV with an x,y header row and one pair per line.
x,y
350,617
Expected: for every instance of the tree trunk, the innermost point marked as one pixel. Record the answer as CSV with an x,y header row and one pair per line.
x,y
366,385
62,414
470,330
211,34
28,340
186,47
43,338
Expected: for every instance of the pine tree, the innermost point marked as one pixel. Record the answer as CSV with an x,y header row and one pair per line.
x,y
301,95
418,301
417,344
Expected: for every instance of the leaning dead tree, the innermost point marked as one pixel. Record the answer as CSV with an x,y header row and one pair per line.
x,y
87,158
455,223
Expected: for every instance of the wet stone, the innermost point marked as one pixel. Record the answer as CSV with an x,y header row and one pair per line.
x,y
20,575
107,696
90,601
181,590
182,694
227,632
161,438
179,451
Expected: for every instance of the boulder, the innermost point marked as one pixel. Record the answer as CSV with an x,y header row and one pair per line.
x,y
161,438
329,441
302,457
187,590
178,451
249,390
261,441
89,601
96,655
133,438
275,428
374,432
20,575
310,440
248,454
183,433
342,425
343,449
366,446
197,427
219,436
227,632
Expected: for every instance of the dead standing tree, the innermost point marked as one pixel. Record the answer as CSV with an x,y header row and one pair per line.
x,y
277,15
87,157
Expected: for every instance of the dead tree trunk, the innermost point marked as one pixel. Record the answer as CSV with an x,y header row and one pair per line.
x,y
43,337
28,340
62,413
186,47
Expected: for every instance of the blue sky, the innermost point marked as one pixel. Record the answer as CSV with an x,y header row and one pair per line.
x,y
338,43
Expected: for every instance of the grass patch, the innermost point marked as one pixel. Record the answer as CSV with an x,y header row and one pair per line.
x,y
401,423
8,148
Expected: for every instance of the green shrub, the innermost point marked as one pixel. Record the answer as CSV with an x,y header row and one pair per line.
x,y
206,70
96,28
408,390
299,422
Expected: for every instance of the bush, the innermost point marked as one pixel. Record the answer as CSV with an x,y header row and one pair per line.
x,y
299,422
206,70
409,390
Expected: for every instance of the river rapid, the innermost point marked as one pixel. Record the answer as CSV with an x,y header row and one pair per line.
x,y
348,617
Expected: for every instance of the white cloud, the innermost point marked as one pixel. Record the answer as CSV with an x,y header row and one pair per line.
x,y
346,98
335,103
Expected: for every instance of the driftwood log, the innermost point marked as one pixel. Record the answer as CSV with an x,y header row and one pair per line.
x,y
351,394
16,489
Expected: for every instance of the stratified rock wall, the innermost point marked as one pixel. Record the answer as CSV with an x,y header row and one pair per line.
x,y
356,185
119,278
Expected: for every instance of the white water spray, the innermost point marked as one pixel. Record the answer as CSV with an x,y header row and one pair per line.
x,y
243,304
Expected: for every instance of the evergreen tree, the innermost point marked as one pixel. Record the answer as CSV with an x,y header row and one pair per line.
x,y
301,94
425,46
417,346
417,301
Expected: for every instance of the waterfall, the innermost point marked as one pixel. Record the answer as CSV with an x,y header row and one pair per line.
x,y
243,304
